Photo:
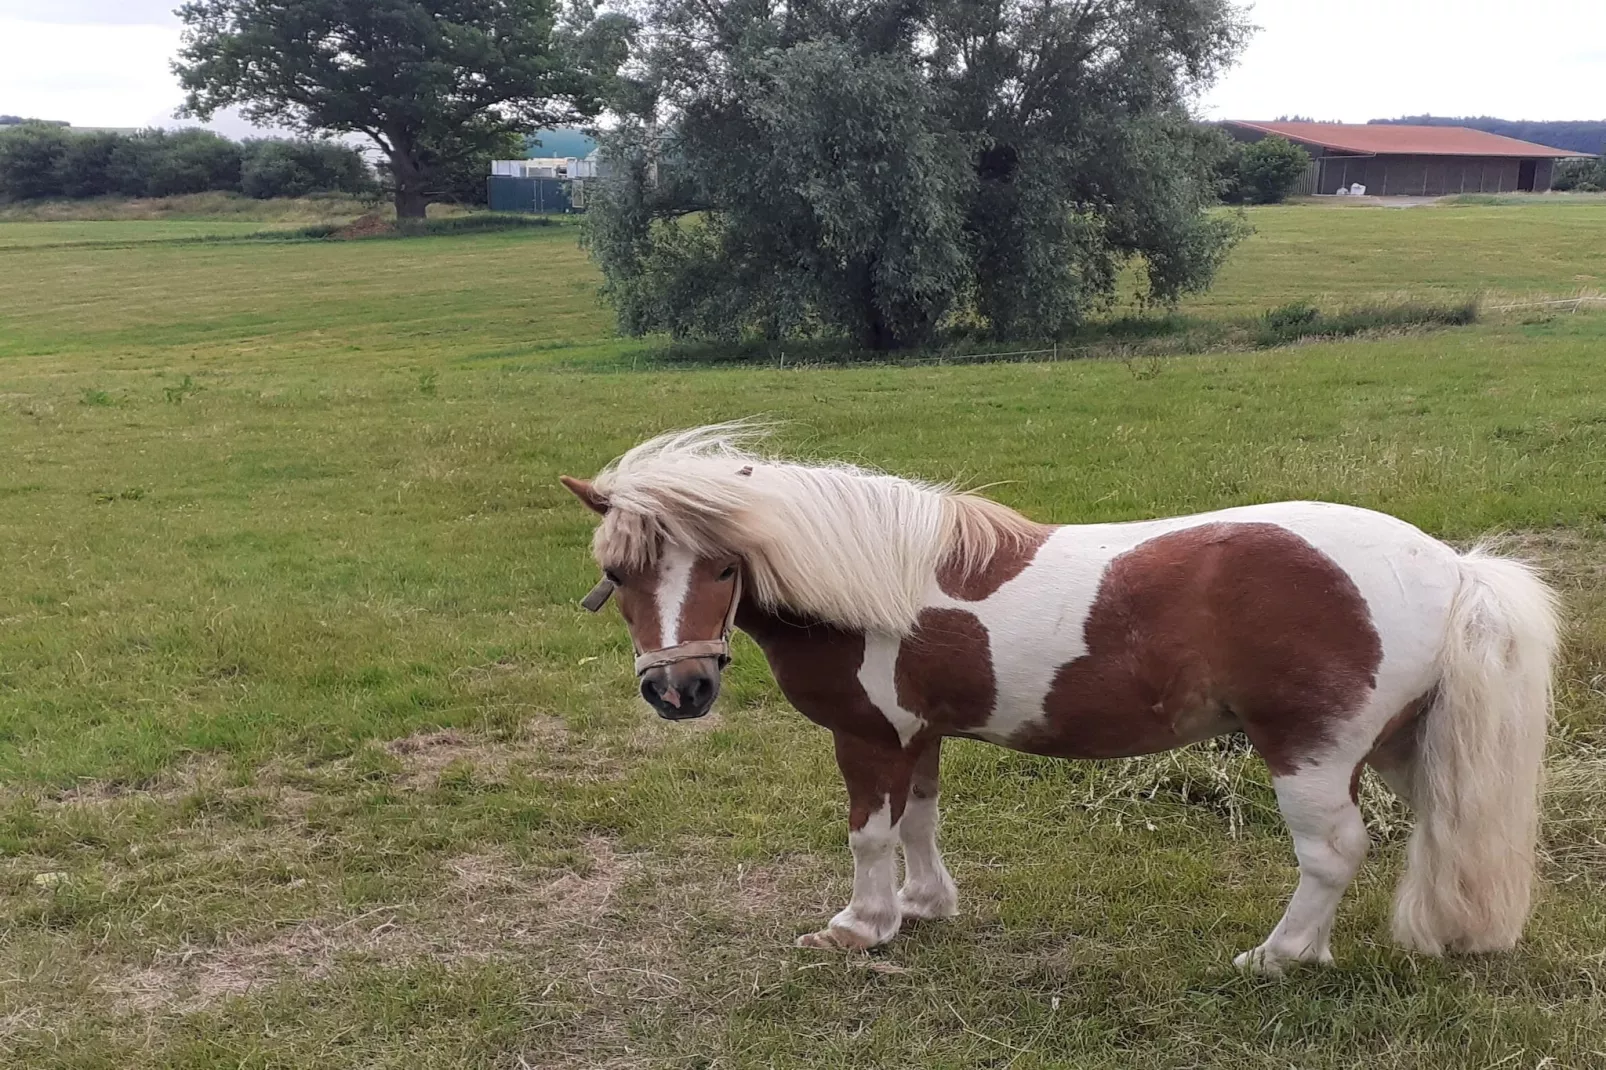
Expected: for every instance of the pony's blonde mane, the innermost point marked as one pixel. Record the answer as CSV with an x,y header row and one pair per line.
x,y
839,543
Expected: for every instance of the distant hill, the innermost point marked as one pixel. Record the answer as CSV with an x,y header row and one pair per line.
x,y
1587,136
560,143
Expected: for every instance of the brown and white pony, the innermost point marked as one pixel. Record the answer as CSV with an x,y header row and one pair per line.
x,y
895,613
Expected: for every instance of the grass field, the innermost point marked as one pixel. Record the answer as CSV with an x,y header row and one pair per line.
x,y
307,757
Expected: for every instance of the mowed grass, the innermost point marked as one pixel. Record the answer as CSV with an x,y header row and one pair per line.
x,y
1328,252
307,756
34,235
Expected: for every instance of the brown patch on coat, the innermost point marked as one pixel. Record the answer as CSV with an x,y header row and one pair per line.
x,y
1015,552
708,600
636,595
1200,631
944,670
817,666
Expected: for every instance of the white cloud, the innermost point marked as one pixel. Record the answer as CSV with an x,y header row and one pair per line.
x,y
118,12
106,62
87,74
1354,60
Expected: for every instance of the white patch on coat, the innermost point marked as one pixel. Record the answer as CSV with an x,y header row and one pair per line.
x,y
877,675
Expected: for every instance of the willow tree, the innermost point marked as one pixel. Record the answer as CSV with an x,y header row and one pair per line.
x,y
876,169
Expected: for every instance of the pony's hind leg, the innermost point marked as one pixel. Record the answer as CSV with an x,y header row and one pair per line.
x,y
1330,843
928,891
877,778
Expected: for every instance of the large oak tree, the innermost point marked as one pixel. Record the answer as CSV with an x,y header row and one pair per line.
x,y
432,82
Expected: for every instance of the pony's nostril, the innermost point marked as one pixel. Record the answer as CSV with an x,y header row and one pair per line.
x,y
651,691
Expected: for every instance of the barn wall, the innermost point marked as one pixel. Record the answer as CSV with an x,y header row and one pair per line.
x,y
1427,176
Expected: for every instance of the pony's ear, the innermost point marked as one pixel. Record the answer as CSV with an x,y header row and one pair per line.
x,y
582,489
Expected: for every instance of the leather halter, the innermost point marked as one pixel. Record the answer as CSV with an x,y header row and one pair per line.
x,y
698,648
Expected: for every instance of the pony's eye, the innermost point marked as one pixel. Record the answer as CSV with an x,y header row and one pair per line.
x,y
612,577
730,570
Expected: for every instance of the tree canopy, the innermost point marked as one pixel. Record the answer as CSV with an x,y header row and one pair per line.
x,y
879,169
433,83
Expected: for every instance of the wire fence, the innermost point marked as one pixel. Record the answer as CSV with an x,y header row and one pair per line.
x,y
1101,351
782,361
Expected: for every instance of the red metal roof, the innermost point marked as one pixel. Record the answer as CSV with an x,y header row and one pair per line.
x,y
1389,139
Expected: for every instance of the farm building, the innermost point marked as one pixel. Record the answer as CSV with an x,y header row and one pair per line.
x,y
545,184
1410,161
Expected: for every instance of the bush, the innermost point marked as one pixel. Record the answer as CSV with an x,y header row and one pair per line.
x,y
85,170
297,168
191,161
1580,175
1291,317
30,161
40,161
1264,171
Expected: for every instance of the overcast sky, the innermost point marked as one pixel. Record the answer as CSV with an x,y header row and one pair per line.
x,y
105,62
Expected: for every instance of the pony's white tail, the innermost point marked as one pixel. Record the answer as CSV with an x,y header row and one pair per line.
x,y
1474,784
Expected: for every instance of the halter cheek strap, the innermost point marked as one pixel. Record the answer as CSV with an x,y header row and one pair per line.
x,y
698,648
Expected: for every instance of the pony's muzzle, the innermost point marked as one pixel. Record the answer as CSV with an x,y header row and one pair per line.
x,y
683,690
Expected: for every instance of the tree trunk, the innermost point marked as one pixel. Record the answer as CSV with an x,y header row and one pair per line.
x,y
410,202
875,334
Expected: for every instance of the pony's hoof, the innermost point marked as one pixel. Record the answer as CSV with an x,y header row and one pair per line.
x,y
1256,961
1267,963
928,905
834,940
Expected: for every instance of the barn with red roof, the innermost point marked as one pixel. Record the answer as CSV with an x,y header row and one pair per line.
x,y
1391,160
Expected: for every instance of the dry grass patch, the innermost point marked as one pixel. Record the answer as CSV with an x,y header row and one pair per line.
x,y
485,906
200,771
542,746
188,979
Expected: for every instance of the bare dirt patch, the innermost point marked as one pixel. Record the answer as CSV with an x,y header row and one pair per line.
x,y
488,906
174,783
582,898
190,978
542,745
367,226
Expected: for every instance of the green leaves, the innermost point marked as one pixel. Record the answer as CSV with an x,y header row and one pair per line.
x,y
1265,171
431,82
887,170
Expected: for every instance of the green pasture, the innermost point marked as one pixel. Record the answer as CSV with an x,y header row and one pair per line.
x,y
308,758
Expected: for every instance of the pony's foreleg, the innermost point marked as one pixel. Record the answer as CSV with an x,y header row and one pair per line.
x,y
928,891
877,777
1330,843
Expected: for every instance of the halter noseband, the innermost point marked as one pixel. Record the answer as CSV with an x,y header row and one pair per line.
x,y
698,648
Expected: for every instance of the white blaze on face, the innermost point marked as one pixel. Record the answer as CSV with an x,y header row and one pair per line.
x,y
674,584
